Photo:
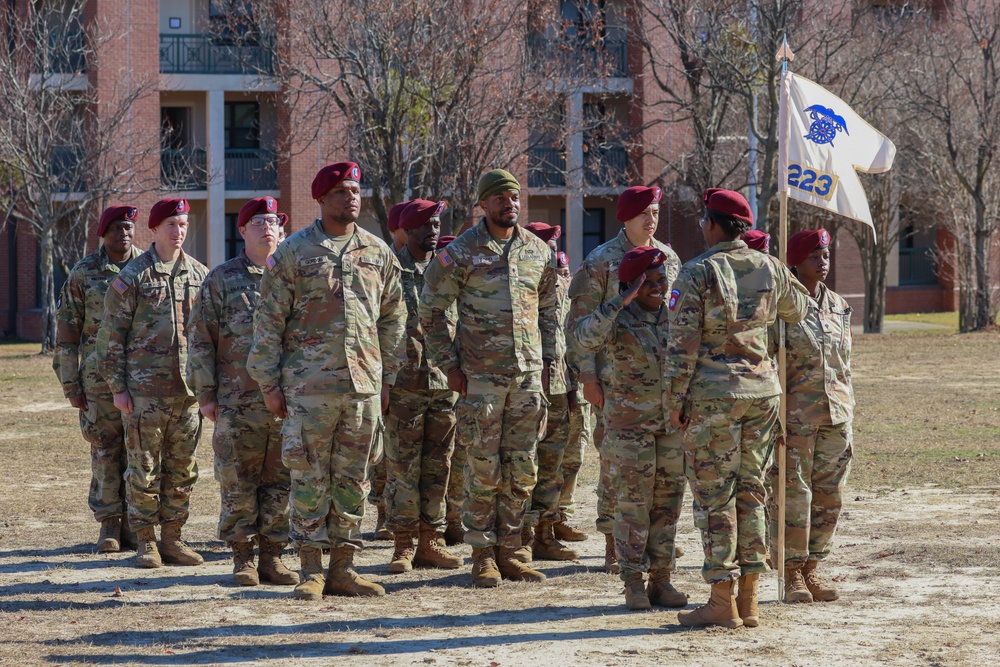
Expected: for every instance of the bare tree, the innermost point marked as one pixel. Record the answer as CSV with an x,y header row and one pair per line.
x,y
60,145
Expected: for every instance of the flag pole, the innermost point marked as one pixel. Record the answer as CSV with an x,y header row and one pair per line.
x,y
784,55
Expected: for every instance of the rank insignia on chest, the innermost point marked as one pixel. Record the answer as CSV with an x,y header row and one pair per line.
x,y
270,262
484,261
119,286
445,258
675,294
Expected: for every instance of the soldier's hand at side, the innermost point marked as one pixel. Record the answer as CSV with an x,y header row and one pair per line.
x,y
573,402
275,402
545,378
386,388
79,401
594,394
124,402
678,419
633,289
210,410
457,382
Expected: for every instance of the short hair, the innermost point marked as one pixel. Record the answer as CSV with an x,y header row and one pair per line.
x,y
732,226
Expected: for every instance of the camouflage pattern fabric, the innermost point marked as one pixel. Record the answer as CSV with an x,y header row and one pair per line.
x,y
416,372
328,322
817,463
327,442
78,321
581,428
142,344
418,457
161,436
456,478
377,473
727,443
253,481
544,505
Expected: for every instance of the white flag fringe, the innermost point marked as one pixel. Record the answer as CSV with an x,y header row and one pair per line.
x,y
821,144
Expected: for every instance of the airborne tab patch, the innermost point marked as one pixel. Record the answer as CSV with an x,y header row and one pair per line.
x,y
674,295
119,285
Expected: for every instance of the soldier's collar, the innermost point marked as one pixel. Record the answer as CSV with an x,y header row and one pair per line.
x,y
179,265
484,237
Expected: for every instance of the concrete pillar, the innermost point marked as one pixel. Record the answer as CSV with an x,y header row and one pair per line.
x,y
574,179
215,150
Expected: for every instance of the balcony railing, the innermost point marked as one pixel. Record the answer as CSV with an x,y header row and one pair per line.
x,y
209,54
570,57
183,168
251,169
916,267
546,167
606,167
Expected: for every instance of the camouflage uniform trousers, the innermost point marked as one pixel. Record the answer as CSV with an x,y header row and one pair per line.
x,y
102,427
606,495
544,503
502,422
727,444
456,480
817,463
581,433
161,436
253,482
327,443
418,457
377,478
647,475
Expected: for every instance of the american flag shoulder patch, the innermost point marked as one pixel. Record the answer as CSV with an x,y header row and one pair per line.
x,y
270,262
119,286
445,258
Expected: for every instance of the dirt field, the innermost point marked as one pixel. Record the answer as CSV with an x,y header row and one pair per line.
x,y
916,557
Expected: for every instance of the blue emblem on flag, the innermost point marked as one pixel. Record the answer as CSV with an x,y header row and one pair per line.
x,y
825,124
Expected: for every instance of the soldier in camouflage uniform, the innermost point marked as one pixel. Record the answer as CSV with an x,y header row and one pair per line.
x,y
581,435
543,508
820,409
504,284
724,395
253,481
327,333
80,312
644,451
638,210
142,354
421,424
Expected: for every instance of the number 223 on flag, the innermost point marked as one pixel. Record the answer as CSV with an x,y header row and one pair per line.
x,y
809,180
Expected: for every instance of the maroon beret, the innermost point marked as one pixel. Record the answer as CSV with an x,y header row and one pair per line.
x,y
635,200
166,208
444,240
757,240
332,174
393,222
255,206
800,244
728,202
544,232
283,219
562,260
418,212
115,213
637,261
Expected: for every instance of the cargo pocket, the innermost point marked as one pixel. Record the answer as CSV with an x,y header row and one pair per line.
x,y
293,449
377,450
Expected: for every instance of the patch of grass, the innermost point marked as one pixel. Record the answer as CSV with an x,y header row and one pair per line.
x,y
947,320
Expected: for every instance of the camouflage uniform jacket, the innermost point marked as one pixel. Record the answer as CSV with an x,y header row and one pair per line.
x,y
507,320
633,341
819,363
721,307
597,282
221,332
328,324
142,346
417,372
81,311
559,378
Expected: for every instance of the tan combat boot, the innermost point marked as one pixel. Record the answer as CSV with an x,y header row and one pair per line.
x,y
110,540
610,557
129,540
719,610
795,584
662,593
635,592
381,532
454,534
567,533
484,568
311,580
523,553
343,580
547,547
146,554
173,549
244,573
512,568
402,556
430,553
822,591
270,568
746,600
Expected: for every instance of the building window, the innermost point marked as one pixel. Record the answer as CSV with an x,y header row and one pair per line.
x,y
242,125
232,20
234,242
593,229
